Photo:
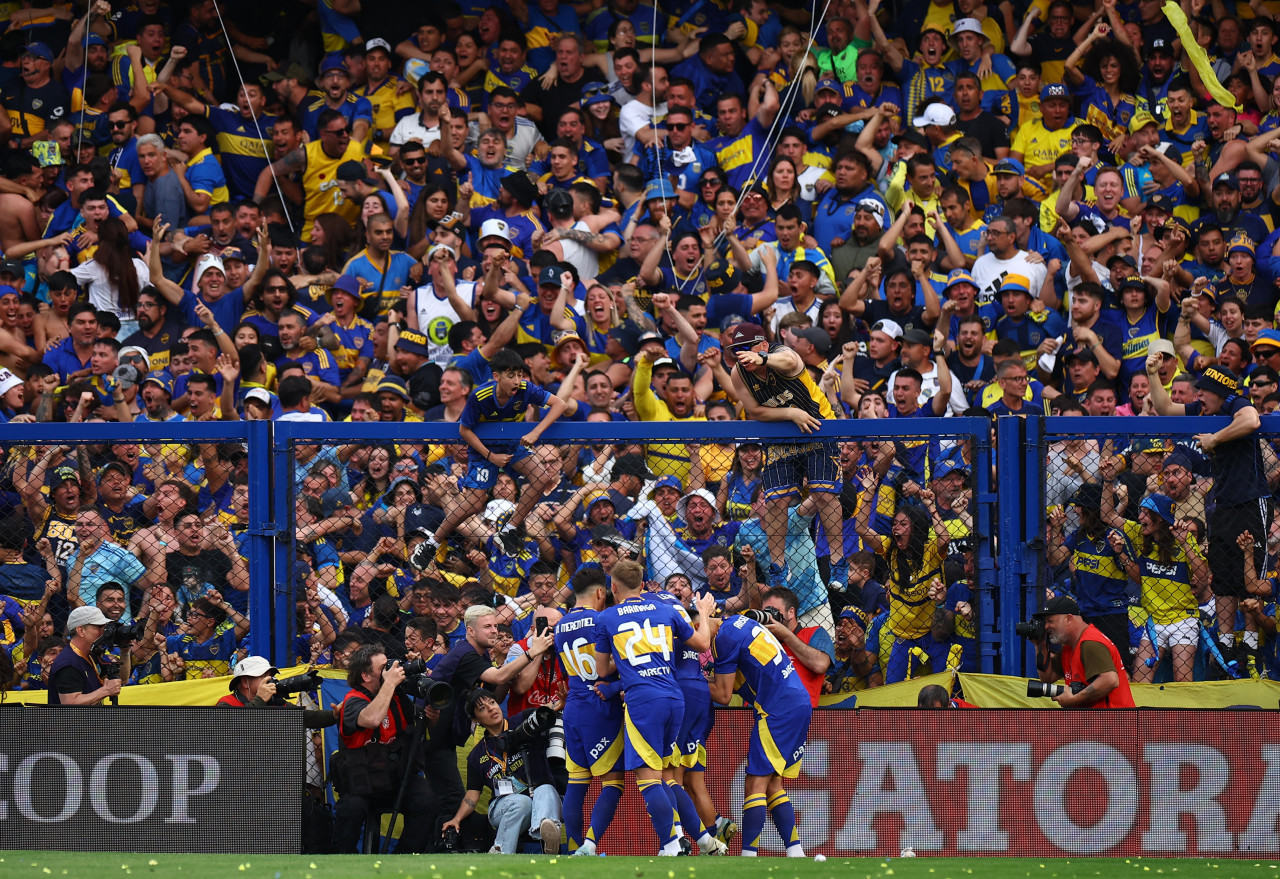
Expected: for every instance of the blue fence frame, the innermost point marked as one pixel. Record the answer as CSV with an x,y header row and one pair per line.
x,y
287,434
1008,515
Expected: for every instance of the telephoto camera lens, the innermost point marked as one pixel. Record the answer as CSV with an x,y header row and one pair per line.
x,y
1037,689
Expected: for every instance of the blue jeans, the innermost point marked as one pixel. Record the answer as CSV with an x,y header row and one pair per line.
x,y
514,814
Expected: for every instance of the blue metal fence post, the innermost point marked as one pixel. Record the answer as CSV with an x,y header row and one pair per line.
x,y
1033,544
986,524
261,538
1009,572
282,459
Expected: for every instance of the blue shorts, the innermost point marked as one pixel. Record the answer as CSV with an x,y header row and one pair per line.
x,y
777,743
904,664
482,474
788,466
696,725
593,736
652,726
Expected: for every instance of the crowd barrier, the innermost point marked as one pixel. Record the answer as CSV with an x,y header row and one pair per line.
x,y
1008,489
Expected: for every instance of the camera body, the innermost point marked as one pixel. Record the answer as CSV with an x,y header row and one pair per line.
x,y
534,729
1039,689
1032,629
418,683
118,634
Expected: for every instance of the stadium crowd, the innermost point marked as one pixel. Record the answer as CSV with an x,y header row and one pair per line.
x,y
606,211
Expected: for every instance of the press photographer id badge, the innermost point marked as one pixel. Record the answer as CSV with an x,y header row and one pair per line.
x,y
503,786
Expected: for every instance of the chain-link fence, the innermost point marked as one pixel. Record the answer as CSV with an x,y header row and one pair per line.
x,y
1165,535
389,520
147,523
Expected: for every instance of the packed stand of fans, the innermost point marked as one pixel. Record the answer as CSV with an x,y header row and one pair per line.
x,y
603,212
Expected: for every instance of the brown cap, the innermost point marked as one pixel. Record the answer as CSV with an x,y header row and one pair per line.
x,y
745,333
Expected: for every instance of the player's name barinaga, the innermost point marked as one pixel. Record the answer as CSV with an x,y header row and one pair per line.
x,y
637,608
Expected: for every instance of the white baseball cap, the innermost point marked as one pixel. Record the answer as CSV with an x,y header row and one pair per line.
x,y
251,667
86,615
495,228
8,381
496,509
935,114
890,328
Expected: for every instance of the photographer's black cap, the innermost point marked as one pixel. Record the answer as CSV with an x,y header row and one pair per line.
x,y
1059,604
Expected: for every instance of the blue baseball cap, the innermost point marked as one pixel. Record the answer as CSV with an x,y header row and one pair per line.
x,y
1160,504
829,83
1009,166
159,377
959,276
1055,90
94,40
333,61
39,50
667,482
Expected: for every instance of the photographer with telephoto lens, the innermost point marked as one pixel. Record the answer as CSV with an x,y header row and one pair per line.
x,y
254,685
1090,664
511,760
375,725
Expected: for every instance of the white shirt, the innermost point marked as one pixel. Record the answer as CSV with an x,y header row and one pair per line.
x,y
633,117
411,128
102,295
436,317
989,272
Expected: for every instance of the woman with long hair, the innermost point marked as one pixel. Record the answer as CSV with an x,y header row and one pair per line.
x,y
435,202
913,552
115,275
783,186
334,235
1160,555
735,495
839,324
600,116
600,311
377,477
1105,76
711,182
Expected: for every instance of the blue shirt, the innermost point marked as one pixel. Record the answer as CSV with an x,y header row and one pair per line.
x,y
483,408
110,563
745,647
63,360
640,635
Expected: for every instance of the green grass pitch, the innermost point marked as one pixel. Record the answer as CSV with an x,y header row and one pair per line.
x,y
109,865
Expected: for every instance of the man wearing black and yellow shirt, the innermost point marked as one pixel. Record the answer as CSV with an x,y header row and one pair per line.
x,y
34,101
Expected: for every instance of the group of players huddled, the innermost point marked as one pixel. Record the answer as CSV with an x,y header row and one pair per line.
x,y
639,702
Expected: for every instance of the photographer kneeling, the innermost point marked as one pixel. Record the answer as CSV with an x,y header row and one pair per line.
x,y
376,725
511,760
1089,662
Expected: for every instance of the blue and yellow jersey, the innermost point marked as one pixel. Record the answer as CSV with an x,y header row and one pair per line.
x,y
1099,580
1099,108
1030,330
353,108
483,407
787,258
389,107
1137,337
575,651
738,155
204,173
354,341
215,654
122,75
982,193
244,147
910,608
744,647
337,31
486,182
640,634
